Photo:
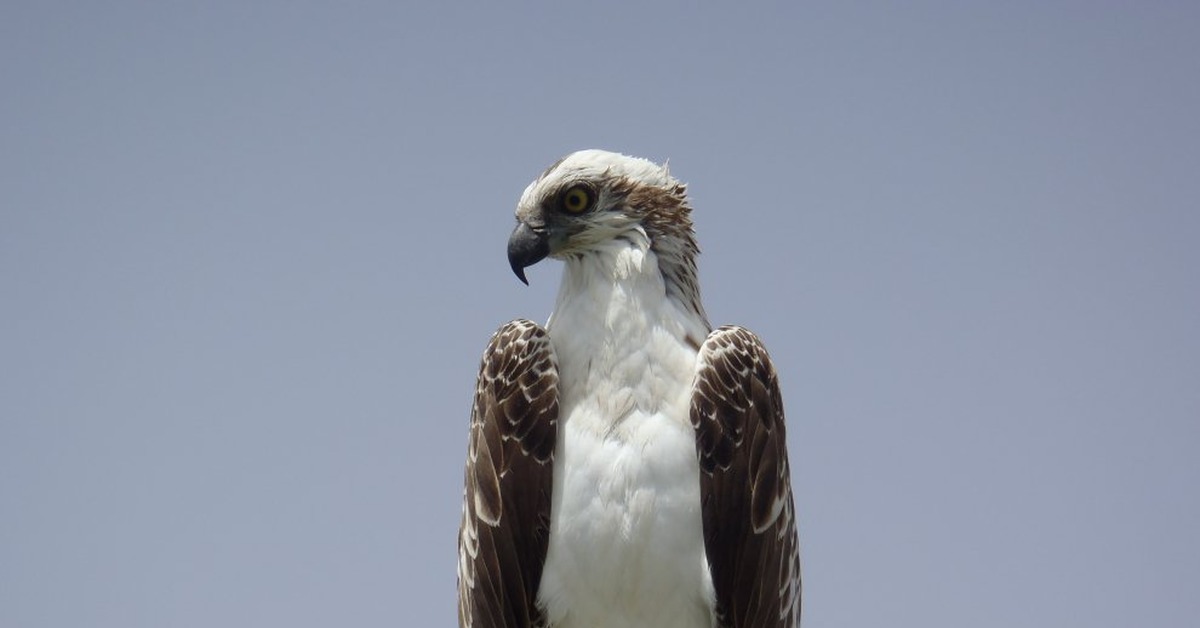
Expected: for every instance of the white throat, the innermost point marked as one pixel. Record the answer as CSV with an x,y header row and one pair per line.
x,y
613,302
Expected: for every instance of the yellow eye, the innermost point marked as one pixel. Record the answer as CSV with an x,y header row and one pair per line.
x,y
576,200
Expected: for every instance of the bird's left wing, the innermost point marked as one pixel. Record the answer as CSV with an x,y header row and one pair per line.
x,y
506,503
745,485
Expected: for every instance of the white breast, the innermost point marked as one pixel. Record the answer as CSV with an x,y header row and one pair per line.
x,y
626,540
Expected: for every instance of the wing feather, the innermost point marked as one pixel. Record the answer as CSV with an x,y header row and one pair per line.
x,y
749,519
506,501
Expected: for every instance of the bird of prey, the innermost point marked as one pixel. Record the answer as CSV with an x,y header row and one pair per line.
x,y
627,464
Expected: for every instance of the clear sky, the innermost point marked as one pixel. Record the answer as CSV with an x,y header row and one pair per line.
x,y
250,254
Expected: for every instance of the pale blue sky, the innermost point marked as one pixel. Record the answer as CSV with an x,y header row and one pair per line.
x,y
250,254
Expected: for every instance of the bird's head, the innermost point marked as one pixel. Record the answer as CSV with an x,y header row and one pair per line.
x,y
593,197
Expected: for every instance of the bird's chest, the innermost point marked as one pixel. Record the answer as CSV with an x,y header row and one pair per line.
x,y
626,540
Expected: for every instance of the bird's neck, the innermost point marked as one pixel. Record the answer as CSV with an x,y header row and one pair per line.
x,y
617,301
628,277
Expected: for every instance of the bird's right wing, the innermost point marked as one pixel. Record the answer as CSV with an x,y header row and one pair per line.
x,y
506,503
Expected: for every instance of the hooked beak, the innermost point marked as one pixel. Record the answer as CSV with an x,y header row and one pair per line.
x,y
526,247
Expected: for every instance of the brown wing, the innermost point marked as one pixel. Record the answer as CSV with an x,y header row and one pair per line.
x,y
506,502
745,486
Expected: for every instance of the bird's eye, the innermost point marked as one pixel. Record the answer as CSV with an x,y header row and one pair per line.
x,y
577,200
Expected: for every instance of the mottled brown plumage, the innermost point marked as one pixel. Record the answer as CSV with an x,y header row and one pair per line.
x,y
506,505
749,522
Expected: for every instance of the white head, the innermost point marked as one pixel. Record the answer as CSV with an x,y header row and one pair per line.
x,y
591,200
592,197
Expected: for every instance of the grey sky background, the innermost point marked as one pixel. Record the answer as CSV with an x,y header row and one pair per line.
x,y
250,254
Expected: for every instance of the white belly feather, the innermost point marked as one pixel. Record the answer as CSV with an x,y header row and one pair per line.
x,y
626,538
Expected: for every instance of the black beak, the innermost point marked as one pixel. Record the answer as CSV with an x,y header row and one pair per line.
x,y
526,247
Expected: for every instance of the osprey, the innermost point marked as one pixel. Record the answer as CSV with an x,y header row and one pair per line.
x,y
627,465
